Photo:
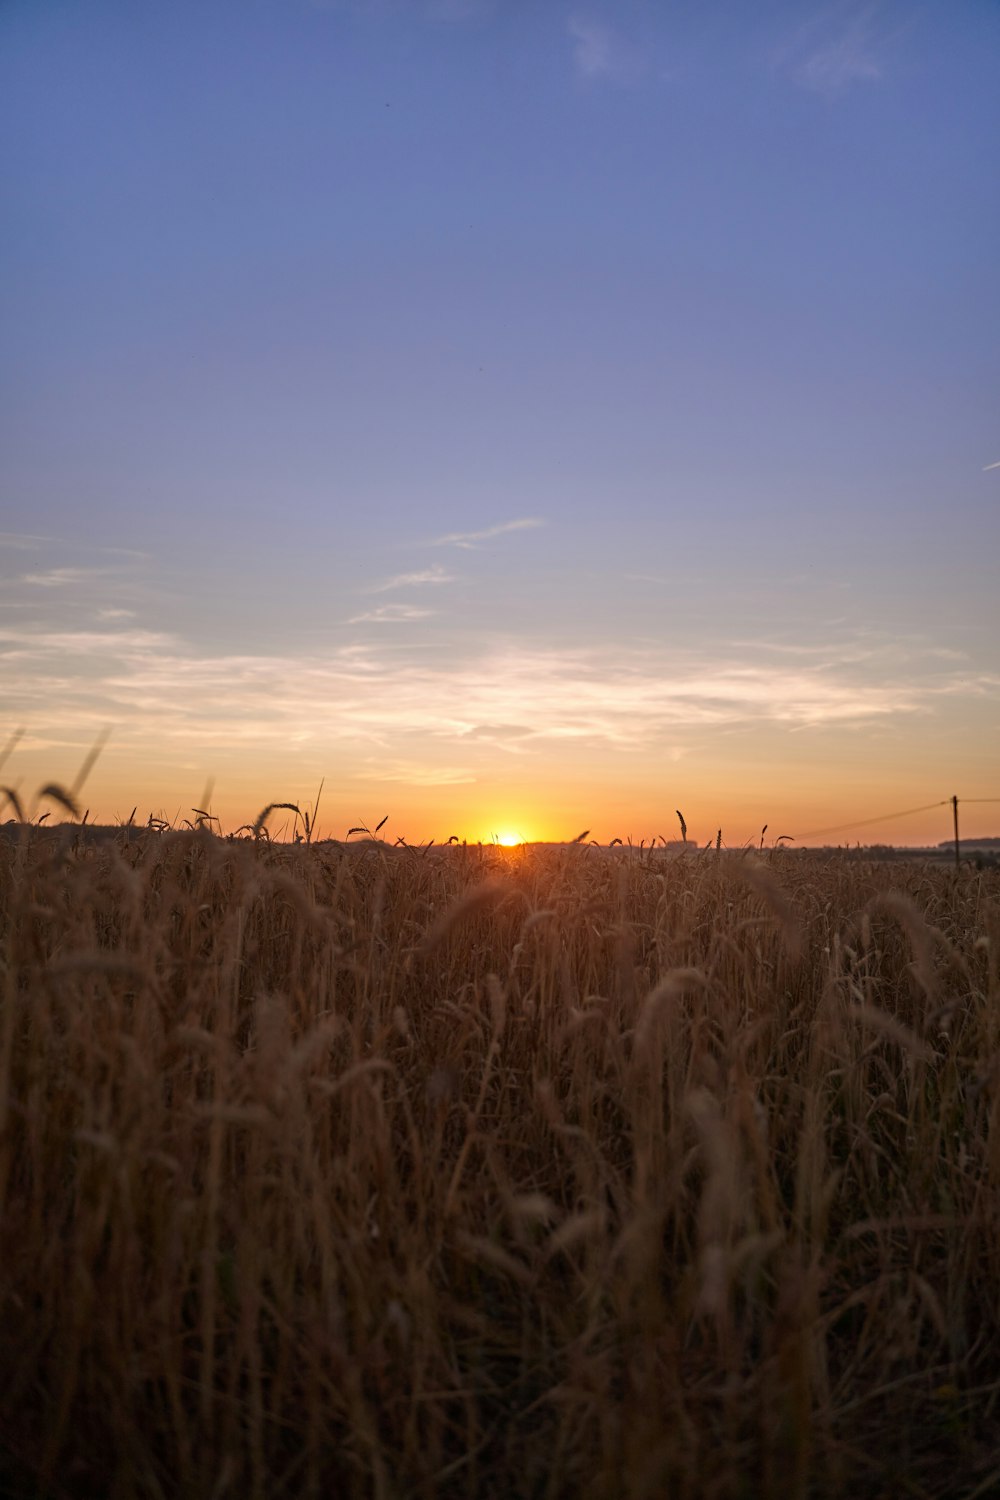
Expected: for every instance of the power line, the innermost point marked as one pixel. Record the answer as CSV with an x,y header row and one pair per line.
x,y
814,833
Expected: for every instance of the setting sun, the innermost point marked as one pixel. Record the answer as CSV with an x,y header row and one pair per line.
x,y
509,840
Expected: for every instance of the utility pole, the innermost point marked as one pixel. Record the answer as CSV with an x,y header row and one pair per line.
x,y
954,808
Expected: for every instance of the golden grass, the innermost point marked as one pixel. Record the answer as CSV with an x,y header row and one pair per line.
x,y
369,1172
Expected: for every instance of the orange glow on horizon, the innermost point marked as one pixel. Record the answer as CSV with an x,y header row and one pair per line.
x,y
504,835
821,803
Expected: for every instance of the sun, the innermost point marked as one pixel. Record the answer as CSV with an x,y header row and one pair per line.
x,y
507,835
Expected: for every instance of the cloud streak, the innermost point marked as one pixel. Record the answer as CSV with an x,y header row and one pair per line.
x,y
422,576
455,715
390,614
413,773
55,578
469,540
22,541
27,541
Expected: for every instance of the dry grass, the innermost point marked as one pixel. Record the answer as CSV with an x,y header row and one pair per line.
x,y
476,1173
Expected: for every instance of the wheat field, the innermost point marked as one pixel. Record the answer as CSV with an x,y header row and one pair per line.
x,y
470,1172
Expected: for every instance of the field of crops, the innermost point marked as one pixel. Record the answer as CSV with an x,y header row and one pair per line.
x,y
474,1172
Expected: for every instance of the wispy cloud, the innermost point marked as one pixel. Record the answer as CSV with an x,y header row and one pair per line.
x,y
56,578
988,467
414,773
436,574
820,657
470,539
499,732
116,643
436,713
600,52
390,614
511,739
21,541
109,587
833,69
26,541
834,49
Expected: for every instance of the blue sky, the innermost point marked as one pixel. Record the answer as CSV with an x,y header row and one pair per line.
x,y
507,410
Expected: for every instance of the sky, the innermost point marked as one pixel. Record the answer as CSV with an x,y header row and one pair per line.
x,y
519,417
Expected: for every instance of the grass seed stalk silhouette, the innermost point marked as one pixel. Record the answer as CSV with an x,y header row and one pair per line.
x,y
332,1169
